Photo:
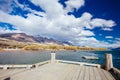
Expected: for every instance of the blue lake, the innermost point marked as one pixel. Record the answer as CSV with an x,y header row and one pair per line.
x,y
29,57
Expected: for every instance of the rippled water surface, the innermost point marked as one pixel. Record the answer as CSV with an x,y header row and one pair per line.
x,y
29,57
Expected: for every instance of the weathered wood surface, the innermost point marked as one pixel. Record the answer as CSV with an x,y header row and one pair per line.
x,y
80,63
116,73
62,71
90,57
53,57
6,73
108,63
27,66
15,66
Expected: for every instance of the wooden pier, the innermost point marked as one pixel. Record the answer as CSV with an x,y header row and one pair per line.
x,y
60,70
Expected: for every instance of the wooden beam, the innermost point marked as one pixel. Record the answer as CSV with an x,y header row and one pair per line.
x,y
53,57
108,63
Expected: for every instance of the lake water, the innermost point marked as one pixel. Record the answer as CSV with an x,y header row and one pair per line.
x,y
29,57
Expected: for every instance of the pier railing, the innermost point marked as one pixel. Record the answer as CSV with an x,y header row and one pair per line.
x,y
79,63
11,66
26,66
40,63
108,63
53,60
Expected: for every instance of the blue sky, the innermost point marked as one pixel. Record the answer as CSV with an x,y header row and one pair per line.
x,y
94,23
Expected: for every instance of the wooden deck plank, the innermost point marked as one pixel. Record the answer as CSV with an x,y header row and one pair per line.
x,y
47,72
59,74
34,73
108,75
86,76
102,75
81,75
71,73
76,74
97,75
92,77
62,71
62,75
7,73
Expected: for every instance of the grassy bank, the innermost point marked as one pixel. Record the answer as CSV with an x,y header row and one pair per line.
x,y
58,47
11,44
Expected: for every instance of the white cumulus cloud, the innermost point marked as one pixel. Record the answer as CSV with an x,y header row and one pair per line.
x,y
56,23
105,24
108,37
74,4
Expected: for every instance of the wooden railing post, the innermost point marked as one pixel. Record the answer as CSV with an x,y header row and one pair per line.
x,y
53,59
5,67
108,63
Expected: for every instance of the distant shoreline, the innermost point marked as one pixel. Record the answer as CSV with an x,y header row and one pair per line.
x,y
48,50
11,49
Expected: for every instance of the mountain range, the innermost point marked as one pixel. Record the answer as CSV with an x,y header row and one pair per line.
x,y
22,37
118,48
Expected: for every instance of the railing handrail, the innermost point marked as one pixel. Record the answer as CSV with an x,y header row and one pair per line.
x,y
79,63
